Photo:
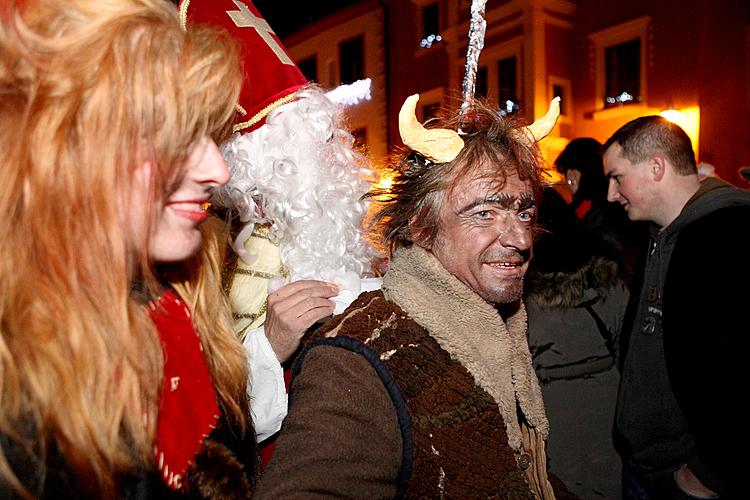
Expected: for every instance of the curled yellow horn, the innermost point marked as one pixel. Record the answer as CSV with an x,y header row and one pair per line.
x,y
438,144
544,125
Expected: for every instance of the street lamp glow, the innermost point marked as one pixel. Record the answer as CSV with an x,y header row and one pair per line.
x,y
688,119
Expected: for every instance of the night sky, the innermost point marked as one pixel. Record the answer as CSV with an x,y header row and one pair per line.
x,y
286,17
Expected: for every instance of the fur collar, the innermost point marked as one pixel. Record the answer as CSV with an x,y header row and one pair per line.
x,y
494,351
570,289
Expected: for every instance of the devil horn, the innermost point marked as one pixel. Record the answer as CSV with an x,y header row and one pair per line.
x,y
544,125
438,144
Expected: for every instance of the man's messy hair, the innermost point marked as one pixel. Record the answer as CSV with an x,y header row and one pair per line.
x,y
647,135
409,210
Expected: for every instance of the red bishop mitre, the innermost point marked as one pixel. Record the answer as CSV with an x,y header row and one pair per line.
x,y
271,77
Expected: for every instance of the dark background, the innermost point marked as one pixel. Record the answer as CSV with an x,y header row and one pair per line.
x,y
286,17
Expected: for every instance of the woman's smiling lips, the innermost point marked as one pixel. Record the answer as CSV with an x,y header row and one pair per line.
x,y
192,210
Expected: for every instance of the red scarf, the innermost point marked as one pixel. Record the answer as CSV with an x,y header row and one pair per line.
x,y
188,408
583,209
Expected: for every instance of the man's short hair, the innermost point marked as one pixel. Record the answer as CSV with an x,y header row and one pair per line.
x,y
644,136
409,211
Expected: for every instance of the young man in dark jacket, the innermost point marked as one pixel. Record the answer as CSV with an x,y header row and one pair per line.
x,y
675,408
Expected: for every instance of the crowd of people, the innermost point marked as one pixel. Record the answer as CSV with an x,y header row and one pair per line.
x,y
190,307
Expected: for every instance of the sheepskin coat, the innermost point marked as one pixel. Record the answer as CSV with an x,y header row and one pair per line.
x,y
421,390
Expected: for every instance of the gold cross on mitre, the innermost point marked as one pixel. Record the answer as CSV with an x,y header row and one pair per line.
x,y
244,18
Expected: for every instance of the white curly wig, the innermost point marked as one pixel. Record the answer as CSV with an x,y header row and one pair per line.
x,y
300,173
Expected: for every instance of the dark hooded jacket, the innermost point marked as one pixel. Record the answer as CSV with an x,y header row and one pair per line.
x,y
674,403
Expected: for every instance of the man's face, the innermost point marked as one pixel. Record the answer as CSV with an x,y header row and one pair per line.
x,y
630,184
485,233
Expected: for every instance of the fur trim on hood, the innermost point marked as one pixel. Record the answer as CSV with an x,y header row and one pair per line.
x,y
570,289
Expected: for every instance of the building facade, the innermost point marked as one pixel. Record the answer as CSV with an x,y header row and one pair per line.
x,y
343,48
609,60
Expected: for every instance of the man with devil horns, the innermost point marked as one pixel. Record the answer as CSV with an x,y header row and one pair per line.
x,y
425,389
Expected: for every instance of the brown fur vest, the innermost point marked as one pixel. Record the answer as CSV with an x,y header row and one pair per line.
x,y
458,439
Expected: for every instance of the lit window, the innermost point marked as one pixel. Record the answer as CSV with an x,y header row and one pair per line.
x,y
480,84
499,78
360,138
430,104
621,63
560,87
507,76
430,26
558,90
309,68
622,75
352,60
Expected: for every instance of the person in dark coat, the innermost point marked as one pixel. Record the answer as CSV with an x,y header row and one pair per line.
x,y
581,164
576,301
678,422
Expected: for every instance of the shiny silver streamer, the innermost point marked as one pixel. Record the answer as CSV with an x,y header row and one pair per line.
x,y
477,29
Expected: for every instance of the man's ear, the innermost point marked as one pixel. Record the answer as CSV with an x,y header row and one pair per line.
x,y
658,166
418,233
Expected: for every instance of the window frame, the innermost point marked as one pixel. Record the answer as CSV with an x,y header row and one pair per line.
x,y
490,57
313,60
602,40
420,34
566,113
427,98
341,44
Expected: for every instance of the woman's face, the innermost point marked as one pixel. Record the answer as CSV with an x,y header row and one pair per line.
x,y
175,235
573,178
